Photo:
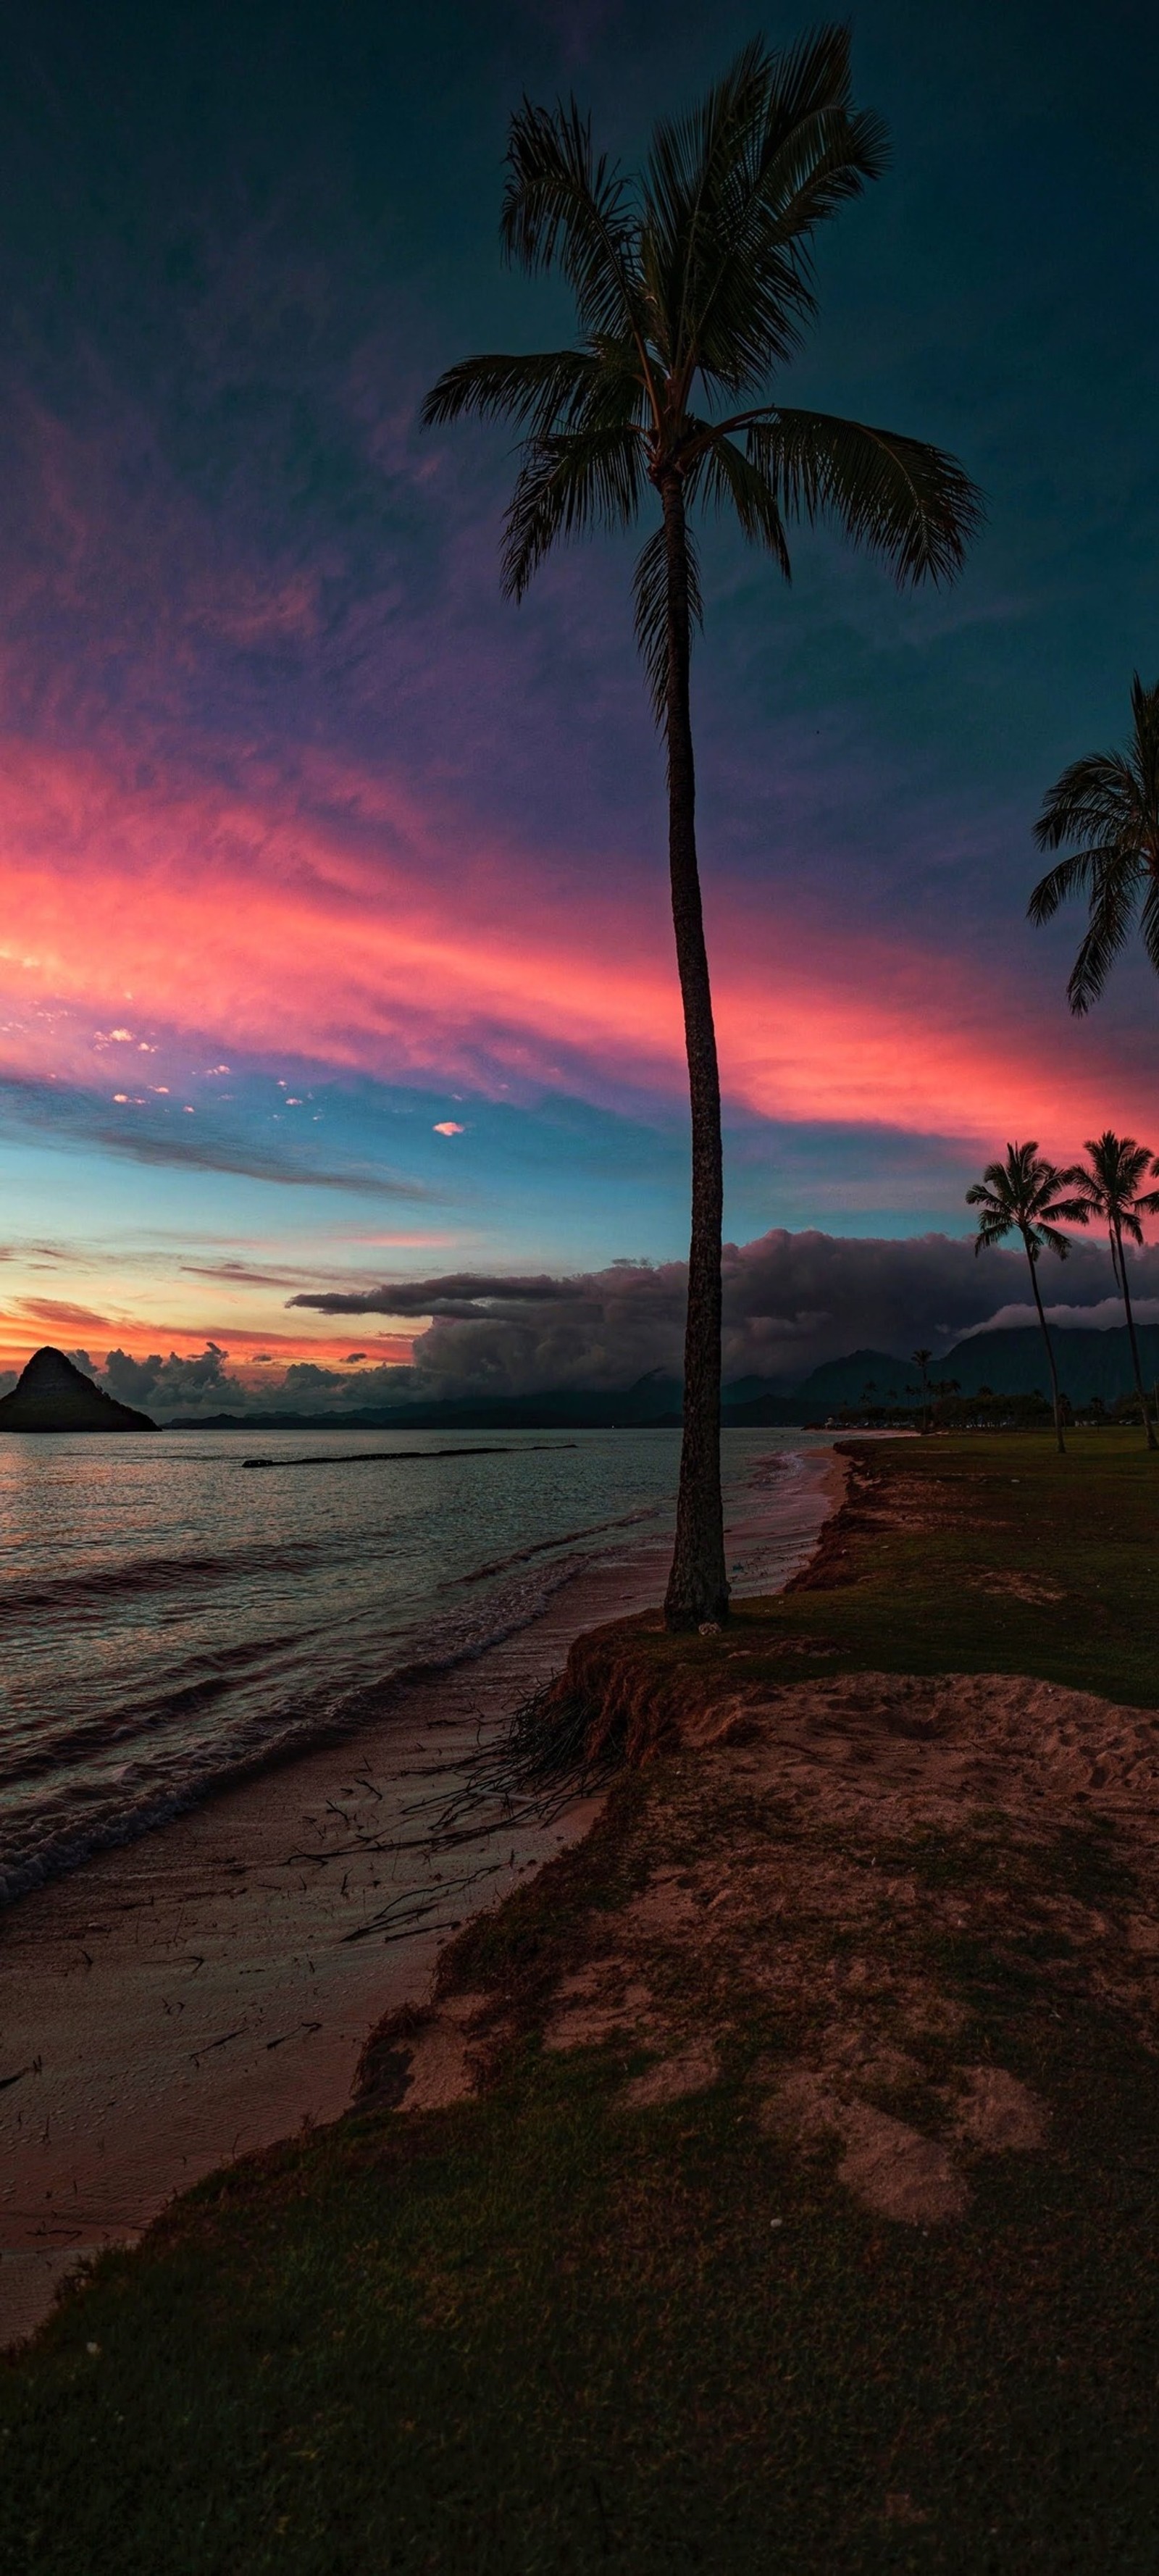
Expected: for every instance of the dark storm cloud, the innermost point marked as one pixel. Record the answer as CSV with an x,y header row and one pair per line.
x,y
199,1385
460,1295
790,1301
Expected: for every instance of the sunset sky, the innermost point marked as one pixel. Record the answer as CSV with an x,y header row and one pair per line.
x,y
334,942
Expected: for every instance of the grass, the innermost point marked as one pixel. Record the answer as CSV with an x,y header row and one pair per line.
x,y
527,2334
980,1511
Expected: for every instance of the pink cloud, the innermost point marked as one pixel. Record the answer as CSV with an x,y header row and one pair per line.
x,y
365,931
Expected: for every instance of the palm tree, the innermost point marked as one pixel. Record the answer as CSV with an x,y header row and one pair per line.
x,y
1025,1193
1109,1185
1108,802
692,285
921,1360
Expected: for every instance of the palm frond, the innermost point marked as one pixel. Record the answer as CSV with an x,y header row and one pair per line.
x,y
650,592
544,392
723,474
903,500
565,486
563,207
700,174
1095,800
1071,876
733,196
1145,744
1149,922
687,167
1114,895
1111,879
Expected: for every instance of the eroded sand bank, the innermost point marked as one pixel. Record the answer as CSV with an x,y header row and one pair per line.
x,y
812,1888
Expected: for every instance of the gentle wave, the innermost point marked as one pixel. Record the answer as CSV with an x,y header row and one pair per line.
x,y
101,1584
523,1555
165,1636
152,1794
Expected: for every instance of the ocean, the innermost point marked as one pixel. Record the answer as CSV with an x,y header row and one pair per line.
x,y
179,1608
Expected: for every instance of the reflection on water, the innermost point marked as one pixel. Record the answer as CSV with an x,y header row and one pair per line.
x,y
169,1616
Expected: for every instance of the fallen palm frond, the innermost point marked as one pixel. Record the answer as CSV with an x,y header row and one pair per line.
x,y
522,1774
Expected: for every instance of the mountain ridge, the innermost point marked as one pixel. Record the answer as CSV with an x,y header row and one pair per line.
x,y
1010,1361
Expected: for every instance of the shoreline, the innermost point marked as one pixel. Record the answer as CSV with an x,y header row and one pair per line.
x,y
773,2171
457,1628
191,1996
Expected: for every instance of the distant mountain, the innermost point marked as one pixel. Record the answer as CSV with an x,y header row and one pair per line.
x,y
53,1395
1008,1362
865,1377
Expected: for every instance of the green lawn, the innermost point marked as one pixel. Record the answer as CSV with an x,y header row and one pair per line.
x,y
928,1598
528,2335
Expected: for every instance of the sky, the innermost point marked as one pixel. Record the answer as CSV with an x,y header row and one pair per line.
x,y
334,943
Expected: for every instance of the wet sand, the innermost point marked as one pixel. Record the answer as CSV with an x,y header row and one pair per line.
x,y
196,1995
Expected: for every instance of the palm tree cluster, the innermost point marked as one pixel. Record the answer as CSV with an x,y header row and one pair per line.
x,y
692,285
1030,1196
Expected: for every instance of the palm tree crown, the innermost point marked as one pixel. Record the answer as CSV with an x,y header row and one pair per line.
x,y
692,288
1028,1194
1109,803
1110,1184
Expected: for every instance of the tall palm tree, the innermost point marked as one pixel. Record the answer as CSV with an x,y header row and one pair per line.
x,y
921,1360
1109,1182
1109,803
692,285
1025,1194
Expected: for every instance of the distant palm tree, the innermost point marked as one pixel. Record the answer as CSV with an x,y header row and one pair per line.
x,y
1108,802
692,285
1025,1194
921,1360
1109,1183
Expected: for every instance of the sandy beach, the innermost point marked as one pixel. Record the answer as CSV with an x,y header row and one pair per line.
x,y
196,1994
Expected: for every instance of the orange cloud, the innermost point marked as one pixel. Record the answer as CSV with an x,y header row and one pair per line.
x,y
29,1321
56,1310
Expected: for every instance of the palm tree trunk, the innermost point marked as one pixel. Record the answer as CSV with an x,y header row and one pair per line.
x,y
1117,1244
1049,1351
697,1586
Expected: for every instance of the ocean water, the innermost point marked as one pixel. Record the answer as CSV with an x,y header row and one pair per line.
x,y
178,1608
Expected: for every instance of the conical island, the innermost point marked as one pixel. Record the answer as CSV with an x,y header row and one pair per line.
x,y
54,1395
